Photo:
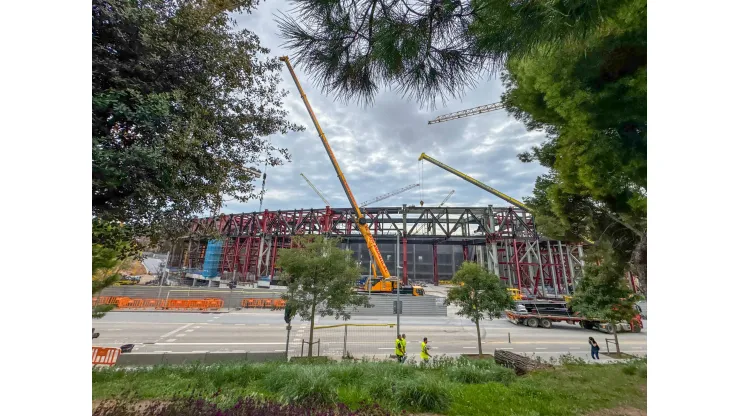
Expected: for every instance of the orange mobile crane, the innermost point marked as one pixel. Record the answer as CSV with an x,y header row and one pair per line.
x,y
387,284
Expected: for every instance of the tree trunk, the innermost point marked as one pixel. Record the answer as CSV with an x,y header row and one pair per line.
x,y
480,347
616,338
310,333
639,263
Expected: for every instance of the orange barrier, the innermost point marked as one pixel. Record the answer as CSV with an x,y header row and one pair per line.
x,y
105,356
123,302
263,303
279,304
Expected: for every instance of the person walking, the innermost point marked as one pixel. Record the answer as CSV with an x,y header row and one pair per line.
x,y
594,348
425,351
399,349
403,339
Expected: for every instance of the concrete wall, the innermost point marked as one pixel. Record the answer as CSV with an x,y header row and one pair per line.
x,y
149,359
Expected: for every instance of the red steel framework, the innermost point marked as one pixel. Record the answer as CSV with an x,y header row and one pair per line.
x,y
504,239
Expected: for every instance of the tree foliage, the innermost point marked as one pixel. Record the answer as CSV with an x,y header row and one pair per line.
x,y
479,294
113,245
321,279
182,105
603,292
425,49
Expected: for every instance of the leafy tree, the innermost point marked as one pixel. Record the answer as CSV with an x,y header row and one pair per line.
x,y
113,247
603,292
479,294
182,105
320,278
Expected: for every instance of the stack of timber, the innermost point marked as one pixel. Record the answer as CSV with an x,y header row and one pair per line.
x,y
519,363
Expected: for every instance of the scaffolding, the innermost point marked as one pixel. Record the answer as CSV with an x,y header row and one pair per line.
x,y
503,239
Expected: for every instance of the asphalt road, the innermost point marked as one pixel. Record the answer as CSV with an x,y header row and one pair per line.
x,y
264,331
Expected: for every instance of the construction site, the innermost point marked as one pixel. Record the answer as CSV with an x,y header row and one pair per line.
x,y
417,244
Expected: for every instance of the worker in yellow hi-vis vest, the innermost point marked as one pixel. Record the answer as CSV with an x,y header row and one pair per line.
x,y
425,351
399,349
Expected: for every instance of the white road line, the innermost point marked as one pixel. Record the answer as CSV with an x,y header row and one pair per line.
x,y
540,348
223,343
188,330
169,340
264,324
175,331
471,347
279,350
180,335
196,327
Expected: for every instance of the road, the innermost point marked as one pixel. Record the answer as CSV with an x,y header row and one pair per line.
x,y
264,331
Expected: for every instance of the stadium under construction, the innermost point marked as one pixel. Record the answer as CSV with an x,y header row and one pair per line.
x,y
433,241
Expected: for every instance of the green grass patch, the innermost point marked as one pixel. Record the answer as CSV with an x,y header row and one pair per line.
x,y
455,387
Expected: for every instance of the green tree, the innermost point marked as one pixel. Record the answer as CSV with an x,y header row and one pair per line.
x,y
182,105
479,294
603,292
321,278
113,246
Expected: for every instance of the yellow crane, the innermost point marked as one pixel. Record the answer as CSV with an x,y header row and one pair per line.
x,y
475,182
387,284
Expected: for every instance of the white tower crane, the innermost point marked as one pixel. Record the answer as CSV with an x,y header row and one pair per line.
x,y
323,198
389,194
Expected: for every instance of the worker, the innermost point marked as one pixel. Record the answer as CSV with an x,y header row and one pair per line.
x,y
403,338
399,349
425,351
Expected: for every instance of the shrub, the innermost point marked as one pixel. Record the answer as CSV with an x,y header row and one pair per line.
x,y
302,383
424,393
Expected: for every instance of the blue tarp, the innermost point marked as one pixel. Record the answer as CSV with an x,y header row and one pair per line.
x,y
213,258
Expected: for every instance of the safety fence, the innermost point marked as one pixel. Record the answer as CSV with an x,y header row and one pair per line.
x,y
347,340
264,303
105,356
123,302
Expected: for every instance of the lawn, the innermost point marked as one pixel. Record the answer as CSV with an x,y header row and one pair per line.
x,y
454,387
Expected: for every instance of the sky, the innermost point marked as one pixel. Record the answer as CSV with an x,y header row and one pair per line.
x,y
378,147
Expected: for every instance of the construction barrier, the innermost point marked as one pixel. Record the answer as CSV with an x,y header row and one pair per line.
x,y
268,303
105,356
123,302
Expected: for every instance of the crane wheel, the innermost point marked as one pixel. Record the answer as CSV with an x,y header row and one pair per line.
x,y
546,323
609,328
533,322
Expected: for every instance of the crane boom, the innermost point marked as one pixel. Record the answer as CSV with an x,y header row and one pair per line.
x,y
359,217
467,113
389,194
447,198
323,198
475,182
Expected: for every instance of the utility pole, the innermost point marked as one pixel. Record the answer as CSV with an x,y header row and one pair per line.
x,y
398,285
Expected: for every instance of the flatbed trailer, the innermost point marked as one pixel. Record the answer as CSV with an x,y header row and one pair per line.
x,y
546,320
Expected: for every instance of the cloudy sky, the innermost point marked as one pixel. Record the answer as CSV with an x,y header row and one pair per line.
x,y
378,147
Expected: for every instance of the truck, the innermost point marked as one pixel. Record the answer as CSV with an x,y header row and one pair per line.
x,y
542,313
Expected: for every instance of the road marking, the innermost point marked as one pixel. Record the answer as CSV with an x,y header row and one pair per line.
x,y
279,350
169,340
239,324
264,324
188,330
180,335
176,331
386,348
540,348
196,327
223,343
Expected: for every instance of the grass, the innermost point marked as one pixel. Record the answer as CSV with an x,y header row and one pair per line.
x,y
455,387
